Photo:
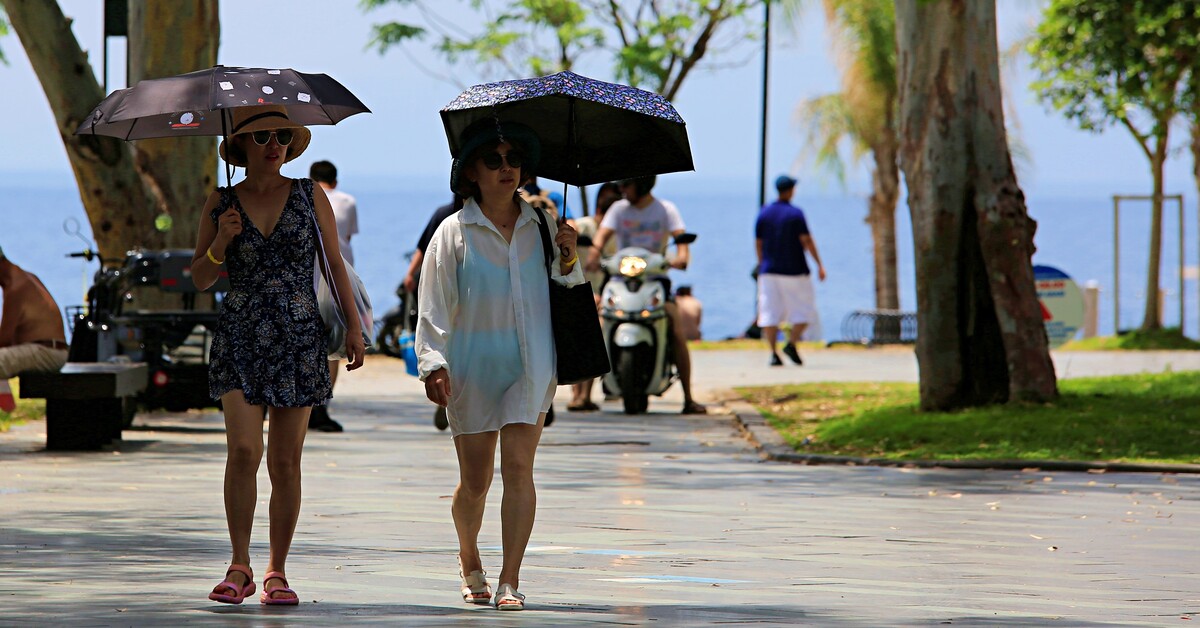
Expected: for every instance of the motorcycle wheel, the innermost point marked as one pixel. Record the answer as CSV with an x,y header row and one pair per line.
x,y
388,339
628,367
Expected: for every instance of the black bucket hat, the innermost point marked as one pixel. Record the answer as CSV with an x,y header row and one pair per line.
x,y
487,131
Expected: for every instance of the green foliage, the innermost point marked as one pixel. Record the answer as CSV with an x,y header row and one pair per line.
x,y
1127,418
3,32
653,43
27,409
1103,62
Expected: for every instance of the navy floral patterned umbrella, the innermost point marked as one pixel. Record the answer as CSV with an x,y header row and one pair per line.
x,y
195,103
591,131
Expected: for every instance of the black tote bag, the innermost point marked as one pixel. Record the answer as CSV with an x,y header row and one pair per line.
x,y
578,341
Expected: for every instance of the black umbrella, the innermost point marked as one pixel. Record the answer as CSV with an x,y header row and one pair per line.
x,y
194,103
590,131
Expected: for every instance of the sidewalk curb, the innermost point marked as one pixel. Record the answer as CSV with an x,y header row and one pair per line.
x,y
773,447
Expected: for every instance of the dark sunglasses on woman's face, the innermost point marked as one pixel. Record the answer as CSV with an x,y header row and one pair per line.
x,y
492,160
283,136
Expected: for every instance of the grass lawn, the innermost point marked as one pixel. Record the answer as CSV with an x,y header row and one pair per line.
x,y
1159,340
27,409
1132,418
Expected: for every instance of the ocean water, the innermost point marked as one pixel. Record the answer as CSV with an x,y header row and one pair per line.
x,y
1075,234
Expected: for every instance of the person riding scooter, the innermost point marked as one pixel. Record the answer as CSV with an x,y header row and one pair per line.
x,y
641,220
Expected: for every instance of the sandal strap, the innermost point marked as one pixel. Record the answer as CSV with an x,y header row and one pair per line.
x,y
506,593
275,575
242,569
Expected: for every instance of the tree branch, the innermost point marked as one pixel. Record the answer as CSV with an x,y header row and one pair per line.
x,y
697,52
1141,138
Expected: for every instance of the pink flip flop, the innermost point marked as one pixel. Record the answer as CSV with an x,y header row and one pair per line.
x,y
242,591
267,592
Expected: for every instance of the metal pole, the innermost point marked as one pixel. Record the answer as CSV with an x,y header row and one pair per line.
x,y
1179,201
1116,265
762,156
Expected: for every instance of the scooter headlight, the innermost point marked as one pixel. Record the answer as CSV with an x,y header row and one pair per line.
x,y
632,266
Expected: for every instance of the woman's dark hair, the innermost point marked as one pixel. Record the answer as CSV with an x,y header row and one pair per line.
x,y
470,189
235,150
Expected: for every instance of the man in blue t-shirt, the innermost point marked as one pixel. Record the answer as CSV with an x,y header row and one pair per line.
x,y
785,291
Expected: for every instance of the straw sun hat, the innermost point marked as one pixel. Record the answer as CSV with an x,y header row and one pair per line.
x,y
264,118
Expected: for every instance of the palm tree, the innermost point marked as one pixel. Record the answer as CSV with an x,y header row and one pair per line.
x,y
863,113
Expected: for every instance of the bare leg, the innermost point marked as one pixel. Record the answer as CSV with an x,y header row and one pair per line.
x,y
285,443
244,440
518,445
796,332
772,335
476,465
577,397
333,373
683,361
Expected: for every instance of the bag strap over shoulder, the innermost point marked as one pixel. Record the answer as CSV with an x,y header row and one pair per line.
x,y
320,246
546,246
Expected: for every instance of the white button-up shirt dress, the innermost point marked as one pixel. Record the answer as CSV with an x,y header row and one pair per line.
x,y
484,315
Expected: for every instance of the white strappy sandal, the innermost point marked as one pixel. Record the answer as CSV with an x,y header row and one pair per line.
x,y
508,599
475,589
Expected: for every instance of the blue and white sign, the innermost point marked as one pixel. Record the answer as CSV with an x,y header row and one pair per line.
x,y
1062,304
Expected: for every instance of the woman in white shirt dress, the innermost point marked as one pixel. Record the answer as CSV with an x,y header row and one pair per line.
x,y
484,341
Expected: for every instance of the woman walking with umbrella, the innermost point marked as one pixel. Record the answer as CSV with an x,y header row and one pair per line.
x,y
484,341
268,353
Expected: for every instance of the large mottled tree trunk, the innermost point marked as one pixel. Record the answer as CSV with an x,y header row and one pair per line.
x,y
981,338
169,37
119,206
1152,317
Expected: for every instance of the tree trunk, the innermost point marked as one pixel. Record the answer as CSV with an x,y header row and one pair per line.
x,y
1152,318
881,216
119,206
981,338
169,37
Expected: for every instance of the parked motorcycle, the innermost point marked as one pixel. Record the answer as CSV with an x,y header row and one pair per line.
x,y
636,327
173,343
396,327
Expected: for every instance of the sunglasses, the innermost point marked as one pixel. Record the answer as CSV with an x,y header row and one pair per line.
x,y
493,160
283,136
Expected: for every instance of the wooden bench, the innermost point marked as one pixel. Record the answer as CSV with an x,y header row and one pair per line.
x,y
85,401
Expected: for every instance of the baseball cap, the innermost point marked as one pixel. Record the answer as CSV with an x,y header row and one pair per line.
x,y
785,182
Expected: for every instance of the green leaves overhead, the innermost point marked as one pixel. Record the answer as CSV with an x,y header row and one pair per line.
x,y
653,44
1107,61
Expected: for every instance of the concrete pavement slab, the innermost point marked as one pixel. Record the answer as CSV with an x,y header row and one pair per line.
x,y
658,519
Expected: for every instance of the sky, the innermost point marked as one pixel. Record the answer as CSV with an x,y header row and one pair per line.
x,y
402,140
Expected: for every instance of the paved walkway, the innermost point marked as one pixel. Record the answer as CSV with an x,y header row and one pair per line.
x,y
657,520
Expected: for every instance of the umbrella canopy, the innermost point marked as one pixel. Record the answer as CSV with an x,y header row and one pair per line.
x,y
193,103
590,131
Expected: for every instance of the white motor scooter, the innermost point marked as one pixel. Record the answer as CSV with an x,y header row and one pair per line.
x,y
636,326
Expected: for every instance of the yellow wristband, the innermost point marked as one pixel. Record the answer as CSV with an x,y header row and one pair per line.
x,y
212,258
574,258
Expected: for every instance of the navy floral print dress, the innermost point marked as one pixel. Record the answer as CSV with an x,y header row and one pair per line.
x,y
270,341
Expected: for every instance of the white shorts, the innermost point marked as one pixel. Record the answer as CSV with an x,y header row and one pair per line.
x,y
785,298
30,357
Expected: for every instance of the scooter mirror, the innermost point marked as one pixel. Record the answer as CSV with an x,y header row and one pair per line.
x,y
685,238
